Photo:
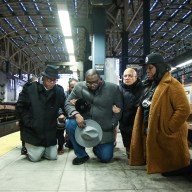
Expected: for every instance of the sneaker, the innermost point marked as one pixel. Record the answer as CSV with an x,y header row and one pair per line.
x,y
79,161
23,151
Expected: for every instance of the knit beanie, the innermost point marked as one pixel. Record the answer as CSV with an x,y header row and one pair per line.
x,y
158,61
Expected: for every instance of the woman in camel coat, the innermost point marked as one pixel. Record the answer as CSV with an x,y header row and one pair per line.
x,y
159,137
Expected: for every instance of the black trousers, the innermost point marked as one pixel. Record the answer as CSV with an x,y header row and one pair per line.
x,y
126,137
60,138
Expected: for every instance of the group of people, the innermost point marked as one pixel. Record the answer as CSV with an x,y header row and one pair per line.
x,y
151,115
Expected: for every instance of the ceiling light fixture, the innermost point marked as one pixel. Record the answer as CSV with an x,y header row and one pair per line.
x,y
69,45
184,64
72,58
65,22
173,68
66,29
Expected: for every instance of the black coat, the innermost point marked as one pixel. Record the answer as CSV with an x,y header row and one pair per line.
x,y
131,98
38,109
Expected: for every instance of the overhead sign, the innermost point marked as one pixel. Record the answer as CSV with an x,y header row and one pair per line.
x,y
100,68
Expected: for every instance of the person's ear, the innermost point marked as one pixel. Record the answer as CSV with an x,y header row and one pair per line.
x,y
100,80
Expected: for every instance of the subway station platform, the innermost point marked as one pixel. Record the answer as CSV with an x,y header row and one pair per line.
x,y
19,175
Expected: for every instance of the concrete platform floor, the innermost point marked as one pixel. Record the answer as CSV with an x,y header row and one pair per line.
x,y
19,175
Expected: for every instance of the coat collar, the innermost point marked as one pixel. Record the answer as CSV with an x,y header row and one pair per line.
x,y
161,88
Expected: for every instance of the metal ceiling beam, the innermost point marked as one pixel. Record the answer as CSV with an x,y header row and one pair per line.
x,y
129,24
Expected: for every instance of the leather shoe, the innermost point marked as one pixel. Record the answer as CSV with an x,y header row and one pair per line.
x,y
23,151
188,177
61,152
79,161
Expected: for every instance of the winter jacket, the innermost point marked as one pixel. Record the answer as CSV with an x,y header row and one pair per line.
x,y
131,98
38,109
165,148
100,110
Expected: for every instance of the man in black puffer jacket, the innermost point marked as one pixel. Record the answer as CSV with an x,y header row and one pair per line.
x,y
131,89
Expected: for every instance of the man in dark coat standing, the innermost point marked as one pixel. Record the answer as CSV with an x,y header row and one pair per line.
x,y
131,89
37,107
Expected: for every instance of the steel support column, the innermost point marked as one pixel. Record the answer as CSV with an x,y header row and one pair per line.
x,y
146,27
124,52
98,46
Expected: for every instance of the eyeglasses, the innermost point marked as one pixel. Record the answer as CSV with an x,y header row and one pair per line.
x,y
50,80
93,83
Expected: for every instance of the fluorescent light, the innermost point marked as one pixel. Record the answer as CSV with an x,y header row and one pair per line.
x,y
65,23
69,45
66,29
72,58
173,68
185,63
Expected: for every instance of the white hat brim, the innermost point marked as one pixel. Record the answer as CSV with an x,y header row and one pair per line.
x,y
93,142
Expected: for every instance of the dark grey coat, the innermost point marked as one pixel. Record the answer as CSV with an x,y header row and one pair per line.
x,y
38,110
101,103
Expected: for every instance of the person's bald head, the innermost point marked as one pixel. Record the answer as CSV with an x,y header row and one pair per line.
x,y
93,79
92,72
129,76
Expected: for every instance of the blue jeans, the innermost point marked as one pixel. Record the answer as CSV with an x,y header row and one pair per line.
x,y
103,151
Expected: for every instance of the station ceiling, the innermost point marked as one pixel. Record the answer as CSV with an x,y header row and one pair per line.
x,y
31,36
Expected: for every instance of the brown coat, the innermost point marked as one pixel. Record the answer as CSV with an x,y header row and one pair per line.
x,y
166,145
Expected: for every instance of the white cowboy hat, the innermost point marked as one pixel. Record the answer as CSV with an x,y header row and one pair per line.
x,y
90,136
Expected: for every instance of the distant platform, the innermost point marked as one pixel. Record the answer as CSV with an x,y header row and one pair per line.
x,y
9,142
